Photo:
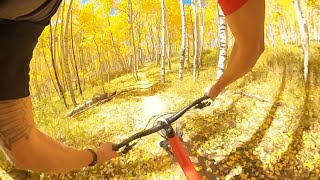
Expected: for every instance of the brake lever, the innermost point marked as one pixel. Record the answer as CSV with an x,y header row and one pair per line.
x,y
202,105
165,145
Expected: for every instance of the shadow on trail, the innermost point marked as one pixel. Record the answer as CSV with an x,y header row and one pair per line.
x,y
289,161
122,169
289,165
140,167
211,129
243,156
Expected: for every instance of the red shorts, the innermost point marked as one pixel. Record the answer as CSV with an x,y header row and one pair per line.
x,y
230,6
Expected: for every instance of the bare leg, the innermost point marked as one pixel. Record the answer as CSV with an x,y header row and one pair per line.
x,y
233,52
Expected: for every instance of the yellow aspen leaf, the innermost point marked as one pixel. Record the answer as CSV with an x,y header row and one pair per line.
x,y
246,153
271,174
268,160
228,177
198,168
308,165
244,163
233,158
230,163
243,176
204,178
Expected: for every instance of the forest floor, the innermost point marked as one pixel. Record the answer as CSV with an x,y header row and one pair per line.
x,y
237,137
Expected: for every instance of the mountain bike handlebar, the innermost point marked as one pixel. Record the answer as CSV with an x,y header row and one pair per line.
x,y
197,103
177,147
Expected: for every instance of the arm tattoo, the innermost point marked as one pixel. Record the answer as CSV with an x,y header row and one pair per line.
x,y
13,122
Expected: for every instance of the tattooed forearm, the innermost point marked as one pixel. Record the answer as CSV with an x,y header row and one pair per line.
x,y
14,125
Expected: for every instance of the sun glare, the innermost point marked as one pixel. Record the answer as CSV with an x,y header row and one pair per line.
x,y
153,105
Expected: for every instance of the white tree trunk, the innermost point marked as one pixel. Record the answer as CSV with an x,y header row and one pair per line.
x,y
271,35
201,38
196,41
168,45
223,36
163,42
304,38
183,40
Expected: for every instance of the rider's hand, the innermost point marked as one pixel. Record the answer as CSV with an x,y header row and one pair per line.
x,y
105,153
213,92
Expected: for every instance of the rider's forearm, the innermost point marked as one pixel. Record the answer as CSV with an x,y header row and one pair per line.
x,y
52,156
241,62
29,148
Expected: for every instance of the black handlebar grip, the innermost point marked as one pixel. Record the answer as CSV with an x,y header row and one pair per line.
x,y
115,147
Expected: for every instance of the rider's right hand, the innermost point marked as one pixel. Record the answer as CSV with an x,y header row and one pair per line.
x,y
213,92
